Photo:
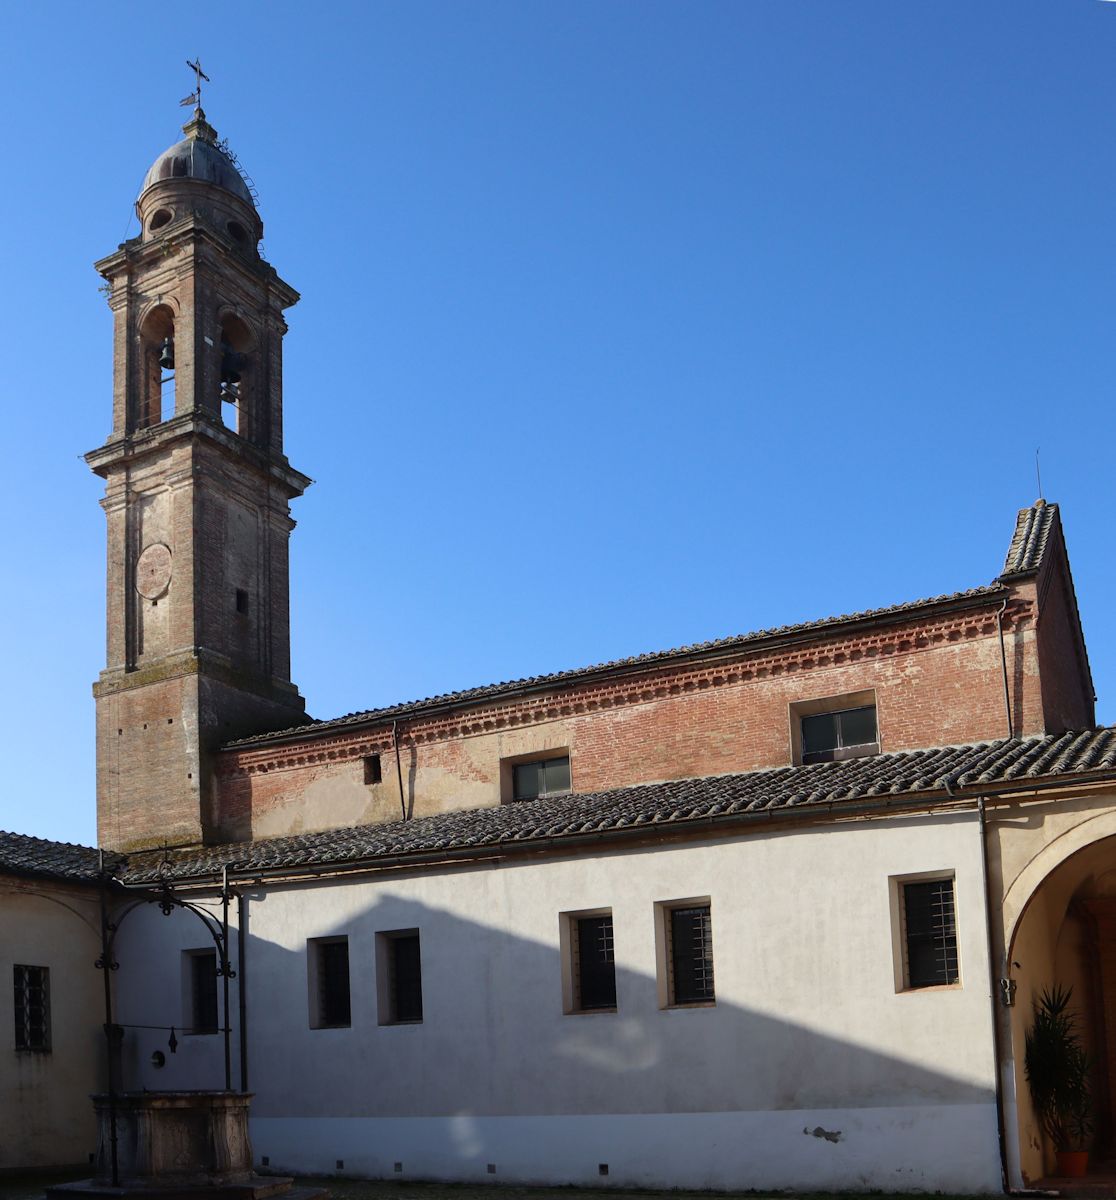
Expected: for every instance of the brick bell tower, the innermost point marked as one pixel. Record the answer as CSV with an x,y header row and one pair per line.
x,y
197,492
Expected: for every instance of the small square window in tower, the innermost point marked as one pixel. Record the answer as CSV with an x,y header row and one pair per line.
x,y
200,989
330,1006
594,964
929,927
689,939
545,777
31,986
847,733
399,977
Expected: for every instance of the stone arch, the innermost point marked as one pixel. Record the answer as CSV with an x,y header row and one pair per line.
x,y
1023,888
238,374
1059,924
84,918
155,396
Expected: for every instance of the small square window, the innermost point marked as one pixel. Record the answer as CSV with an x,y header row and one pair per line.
x,y
833,728
928,925
544,777
241,600
685,940
373,772
200,991
329,982
846,733
32,1008
399,977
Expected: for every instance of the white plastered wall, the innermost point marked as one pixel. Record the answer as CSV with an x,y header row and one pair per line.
x,y
811,1070
46,1117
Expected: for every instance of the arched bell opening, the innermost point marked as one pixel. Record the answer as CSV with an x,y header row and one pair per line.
x,y
236,376
1066,937
156,392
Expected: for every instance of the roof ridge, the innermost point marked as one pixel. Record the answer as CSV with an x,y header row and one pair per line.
x,y
485,691
1033,526
34,837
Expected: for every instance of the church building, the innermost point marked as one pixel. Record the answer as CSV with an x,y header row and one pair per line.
x,y
770,911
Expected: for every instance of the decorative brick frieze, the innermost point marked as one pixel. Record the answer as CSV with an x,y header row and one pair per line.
x,y
641,687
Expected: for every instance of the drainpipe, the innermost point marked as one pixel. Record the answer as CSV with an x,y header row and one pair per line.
x,y
225,969
398,767
106,964
1003,665
241,995
993,977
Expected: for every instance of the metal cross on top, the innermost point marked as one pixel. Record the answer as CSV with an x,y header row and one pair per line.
x,y
194,97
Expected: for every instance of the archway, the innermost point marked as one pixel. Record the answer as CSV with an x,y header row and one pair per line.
x,y
1065,934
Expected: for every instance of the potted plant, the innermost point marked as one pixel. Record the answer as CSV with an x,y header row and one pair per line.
x,y
1057,1068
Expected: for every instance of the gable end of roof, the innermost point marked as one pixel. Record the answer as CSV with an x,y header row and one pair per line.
x,y
1034,528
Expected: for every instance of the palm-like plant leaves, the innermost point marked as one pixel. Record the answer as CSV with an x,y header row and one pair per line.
x,y
1057,1069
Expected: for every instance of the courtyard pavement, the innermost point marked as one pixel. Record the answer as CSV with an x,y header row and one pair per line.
x,y
30,1187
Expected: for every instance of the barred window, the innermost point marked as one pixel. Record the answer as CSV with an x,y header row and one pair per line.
x,y
202,982
689,932
594,964
329,995
32,1008
399,964
929,933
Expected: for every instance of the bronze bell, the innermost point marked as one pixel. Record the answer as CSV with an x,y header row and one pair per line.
x,y
230,365
166,355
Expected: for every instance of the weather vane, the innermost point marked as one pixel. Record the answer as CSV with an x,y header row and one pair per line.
x,y
194,97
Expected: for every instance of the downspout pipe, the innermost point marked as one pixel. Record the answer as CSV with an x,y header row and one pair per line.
x,y
106,964
241,994
398,767
1003,666
993,981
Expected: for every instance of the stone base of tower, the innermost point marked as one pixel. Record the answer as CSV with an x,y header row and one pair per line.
x,y
156,732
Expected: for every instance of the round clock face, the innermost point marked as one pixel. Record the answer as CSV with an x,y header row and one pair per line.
x,y
153,571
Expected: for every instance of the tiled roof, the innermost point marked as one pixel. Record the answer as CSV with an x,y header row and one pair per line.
x,y
679,803
510,687
1033,527
38,857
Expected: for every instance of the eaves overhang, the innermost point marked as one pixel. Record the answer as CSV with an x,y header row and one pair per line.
x,y
723,650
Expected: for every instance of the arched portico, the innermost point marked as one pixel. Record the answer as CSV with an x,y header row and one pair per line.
x,y
1060,925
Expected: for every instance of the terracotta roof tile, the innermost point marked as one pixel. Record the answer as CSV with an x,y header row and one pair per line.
x,y
1033,527
678,802
41,858
510,687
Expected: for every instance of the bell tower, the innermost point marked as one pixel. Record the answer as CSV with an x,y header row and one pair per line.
x,y
197,492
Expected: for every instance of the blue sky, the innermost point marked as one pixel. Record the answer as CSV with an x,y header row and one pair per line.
x,y
624,325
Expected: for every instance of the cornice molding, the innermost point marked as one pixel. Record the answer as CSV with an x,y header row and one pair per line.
x,y
643,685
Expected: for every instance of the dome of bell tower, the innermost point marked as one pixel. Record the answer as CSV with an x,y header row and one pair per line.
x,y
198,156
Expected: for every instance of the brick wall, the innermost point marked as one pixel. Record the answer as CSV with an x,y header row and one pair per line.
x,y
937,678
1067,694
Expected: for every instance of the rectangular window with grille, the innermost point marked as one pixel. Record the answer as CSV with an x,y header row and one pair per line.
x,y
594,964
32,1008
929,928
329,983
202,968
689,939
399,971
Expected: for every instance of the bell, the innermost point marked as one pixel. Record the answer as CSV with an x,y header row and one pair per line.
x,y
230,366
166,355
